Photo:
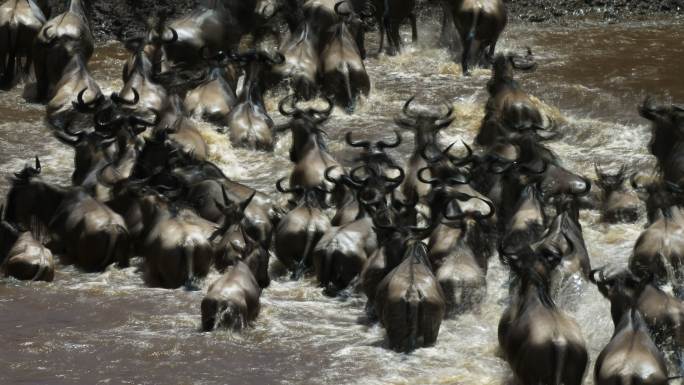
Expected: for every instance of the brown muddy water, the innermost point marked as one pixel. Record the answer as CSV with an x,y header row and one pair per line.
x,y
110,328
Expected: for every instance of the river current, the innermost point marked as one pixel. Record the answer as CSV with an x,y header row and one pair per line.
x,y
111,328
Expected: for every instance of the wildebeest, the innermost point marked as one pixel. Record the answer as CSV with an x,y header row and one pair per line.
x,y
659,250
301,65
666,143
214,98
389,16
300,230
343,73
479,24
309,151
462,269
216,24
541,343
631,356
527,220
236,245
91,234
509,109
76,84
176,243
20,21
51,54
182,131
232,301
22,256
409,301
248,122
617,204
342,252
565,232
425,126
151,44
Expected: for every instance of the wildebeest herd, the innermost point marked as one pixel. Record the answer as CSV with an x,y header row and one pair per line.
x,y
415,239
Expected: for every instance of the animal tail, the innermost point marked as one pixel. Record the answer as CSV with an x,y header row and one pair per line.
x,y
412,314
559,366
189,257
308,245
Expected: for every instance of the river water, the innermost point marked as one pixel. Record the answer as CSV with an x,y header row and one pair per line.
x,y
110,328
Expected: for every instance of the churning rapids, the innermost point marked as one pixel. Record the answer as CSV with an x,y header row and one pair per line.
x,y
111,328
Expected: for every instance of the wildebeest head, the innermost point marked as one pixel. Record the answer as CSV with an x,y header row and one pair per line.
x,y
443,165
358,21
668,127
400,239
533,267
150,45
310,198
373,153
158,153
621,288
304,124
233,212
259,74
611,182
371,186
660,196
502,71
424,124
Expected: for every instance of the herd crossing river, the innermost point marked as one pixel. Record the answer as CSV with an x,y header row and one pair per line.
x,y
112,327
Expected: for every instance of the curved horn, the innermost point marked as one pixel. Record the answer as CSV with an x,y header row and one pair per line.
x,y
427,158
292,98
119,100
447,116
343,179
461,197
81,105
38,168
406,109
633,182
174,37
359,143
458,162
280,188
397,141
49,39
433,181
395,182
325,114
